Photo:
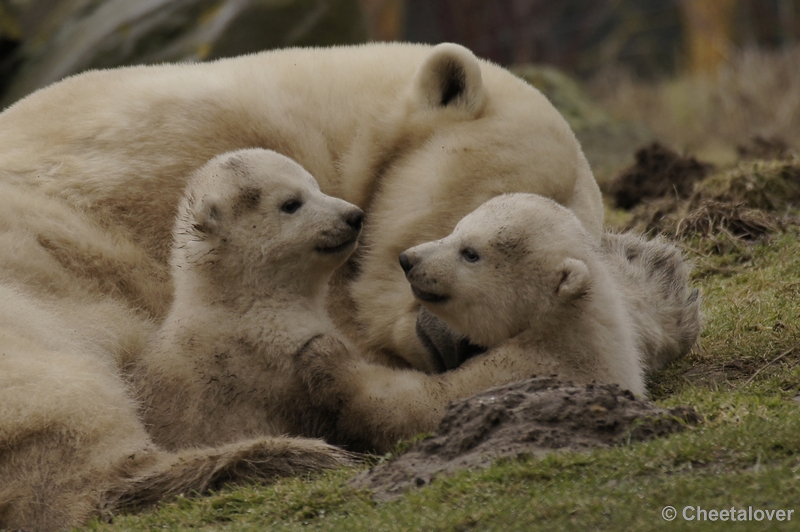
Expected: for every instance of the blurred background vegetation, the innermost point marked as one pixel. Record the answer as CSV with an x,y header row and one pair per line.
x,y
706,76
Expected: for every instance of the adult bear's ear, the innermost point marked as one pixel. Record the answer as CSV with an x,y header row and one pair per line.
x,y
450,78
573,280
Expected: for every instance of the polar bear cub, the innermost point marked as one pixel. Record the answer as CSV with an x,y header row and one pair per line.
x,y
255,245
521,262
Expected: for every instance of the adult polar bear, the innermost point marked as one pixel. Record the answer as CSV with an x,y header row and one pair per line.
x,y
417,136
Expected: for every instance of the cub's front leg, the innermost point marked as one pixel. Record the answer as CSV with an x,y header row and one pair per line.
x,y
376,406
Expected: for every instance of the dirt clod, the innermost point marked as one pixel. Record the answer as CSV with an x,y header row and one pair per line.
x,y
531,417
657,172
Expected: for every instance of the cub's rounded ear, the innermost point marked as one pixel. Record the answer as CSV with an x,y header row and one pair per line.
x,y
450,78
574,280
207,216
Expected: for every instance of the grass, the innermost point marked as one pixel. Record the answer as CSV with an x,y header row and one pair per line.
x,y
744,379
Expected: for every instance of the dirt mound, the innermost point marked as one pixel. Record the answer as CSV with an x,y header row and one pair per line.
x,y
657,172
531,417
750,201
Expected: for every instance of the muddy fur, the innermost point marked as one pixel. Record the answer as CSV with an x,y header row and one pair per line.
x,y
201,470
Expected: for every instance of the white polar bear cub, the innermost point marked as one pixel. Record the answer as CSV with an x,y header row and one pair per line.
x,y
521,277
255,245
522,263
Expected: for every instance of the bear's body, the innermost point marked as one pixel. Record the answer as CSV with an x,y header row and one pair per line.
x,y
417,136
210,397
522,278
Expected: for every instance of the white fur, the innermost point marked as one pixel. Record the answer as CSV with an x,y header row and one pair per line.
x,y
214,382
92,170
522,277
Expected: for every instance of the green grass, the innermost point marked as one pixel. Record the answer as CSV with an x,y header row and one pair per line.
x,y
743,379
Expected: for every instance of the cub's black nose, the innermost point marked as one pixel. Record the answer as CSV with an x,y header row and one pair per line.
x,y
355,218
405,263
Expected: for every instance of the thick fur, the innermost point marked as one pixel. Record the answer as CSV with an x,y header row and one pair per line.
x,y
523,266
417,136
215,381
521,277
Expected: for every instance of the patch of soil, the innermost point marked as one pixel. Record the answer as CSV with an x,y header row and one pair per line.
x,y
767,148
657,172
531,417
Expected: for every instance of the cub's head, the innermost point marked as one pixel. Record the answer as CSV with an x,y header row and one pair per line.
x,y
514,263
255,216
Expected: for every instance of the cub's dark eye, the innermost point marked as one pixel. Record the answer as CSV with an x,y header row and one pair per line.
x,y
291,206
470,255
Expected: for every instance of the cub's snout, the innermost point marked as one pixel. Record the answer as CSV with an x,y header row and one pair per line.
x,y
419,265
355,218
342,235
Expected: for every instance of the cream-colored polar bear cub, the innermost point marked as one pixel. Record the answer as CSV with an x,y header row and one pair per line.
x,y
255,245
522,262
523,279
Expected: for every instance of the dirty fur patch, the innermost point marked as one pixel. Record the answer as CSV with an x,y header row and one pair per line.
x,y
199,471
526,418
